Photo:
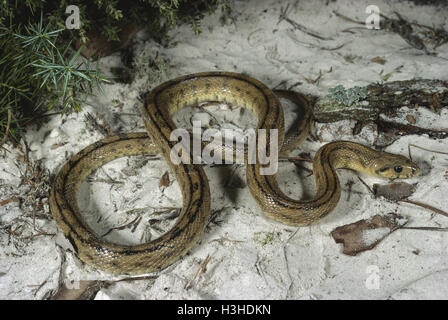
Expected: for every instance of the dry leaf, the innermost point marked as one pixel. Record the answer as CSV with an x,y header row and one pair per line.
x,y
57,145
165,180
79,290
378,60
394,191
410,119
5,202
366,234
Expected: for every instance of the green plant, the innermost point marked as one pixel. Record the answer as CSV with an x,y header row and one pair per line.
x,y
37,72
157,15
40,70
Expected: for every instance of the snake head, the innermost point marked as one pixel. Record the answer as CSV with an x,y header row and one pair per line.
x,y
394,166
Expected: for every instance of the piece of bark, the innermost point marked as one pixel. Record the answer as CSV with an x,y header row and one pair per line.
x,y
366,234
384,99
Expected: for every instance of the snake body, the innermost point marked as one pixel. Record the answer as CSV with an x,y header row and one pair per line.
x,y
159,106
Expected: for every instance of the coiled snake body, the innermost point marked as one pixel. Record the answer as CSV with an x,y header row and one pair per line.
x,y
159,106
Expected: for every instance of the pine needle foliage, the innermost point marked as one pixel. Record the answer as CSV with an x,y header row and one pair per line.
x,y
39,68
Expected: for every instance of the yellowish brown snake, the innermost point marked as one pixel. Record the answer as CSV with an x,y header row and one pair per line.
x,y
159,106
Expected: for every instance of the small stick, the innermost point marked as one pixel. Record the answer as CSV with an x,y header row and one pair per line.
x,y
283,16
122,227
137,278
349,184
12,199
429,150
346,18
5,137
366,185
292,159
224,239
384,125
426,228
202,269
426,206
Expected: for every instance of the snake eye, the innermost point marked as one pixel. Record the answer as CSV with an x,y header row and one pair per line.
x,y
398,169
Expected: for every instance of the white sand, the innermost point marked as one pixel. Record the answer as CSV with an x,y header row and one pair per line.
x,y
252,257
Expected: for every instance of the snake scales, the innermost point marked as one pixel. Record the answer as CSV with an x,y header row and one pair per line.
x,y
158,108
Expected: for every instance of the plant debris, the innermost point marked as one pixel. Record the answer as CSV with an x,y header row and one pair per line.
x,y
400,129
164,180
201,270
81,290
284,16
410,119
394,191
406,31
364,234
378,60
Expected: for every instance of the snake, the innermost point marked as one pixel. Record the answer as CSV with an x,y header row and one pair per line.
x,y
158,108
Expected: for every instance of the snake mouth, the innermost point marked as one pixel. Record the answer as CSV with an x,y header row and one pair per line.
x,y
415,171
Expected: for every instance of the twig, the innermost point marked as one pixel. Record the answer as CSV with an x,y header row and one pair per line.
x,y
349,184
292,159
283,16
413,145
295,159
41,116
202,269
137,278
366,185
426,228
346,18
122,227
426,206
94,123
39,286
5,137
384,125
286,259
224,239
12,199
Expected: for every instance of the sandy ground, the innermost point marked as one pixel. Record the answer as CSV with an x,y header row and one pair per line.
x,y
250,256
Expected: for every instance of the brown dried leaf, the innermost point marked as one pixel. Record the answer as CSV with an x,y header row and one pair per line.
x,y
80,290
378,60
366,234
57,145
394,191
165,180
5,202
410,119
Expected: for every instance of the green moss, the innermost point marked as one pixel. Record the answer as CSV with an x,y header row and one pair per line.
x,y
265,238
347,97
